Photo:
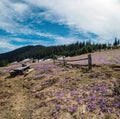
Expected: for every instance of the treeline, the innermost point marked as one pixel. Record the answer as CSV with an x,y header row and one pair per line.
x,y
42,52
3,63
116,42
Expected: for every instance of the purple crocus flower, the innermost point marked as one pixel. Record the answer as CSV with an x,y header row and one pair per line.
x,y
91,106
72,109
73,93
58,107
118,105
103,90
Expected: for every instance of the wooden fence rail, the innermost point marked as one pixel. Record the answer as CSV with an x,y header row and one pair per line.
x,y
73,60
65,62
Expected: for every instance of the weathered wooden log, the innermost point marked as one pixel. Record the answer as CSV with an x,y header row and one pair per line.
x,y
89,62
19,70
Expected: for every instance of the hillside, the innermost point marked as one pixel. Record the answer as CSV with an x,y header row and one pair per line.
x,y
40,52
21,53
58,92
100,58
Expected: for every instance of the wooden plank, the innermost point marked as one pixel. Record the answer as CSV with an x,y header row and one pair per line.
x,y
64,61
74,60
29,70
78,64
19,70
59,60
22,68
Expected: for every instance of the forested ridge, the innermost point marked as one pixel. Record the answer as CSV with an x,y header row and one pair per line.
x,y
43,52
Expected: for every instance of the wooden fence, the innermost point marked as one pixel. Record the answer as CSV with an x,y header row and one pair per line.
x,y
66,62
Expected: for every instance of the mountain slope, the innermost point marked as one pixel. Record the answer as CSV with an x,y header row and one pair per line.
x,y
21,53
38,52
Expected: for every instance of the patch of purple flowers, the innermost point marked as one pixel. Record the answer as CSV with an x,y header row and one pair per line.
x,y
72,109
58,107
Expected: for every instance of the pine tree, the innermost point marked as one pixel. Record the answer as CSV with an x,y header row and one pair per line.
x,y
84,50
3,63
115,42
89,49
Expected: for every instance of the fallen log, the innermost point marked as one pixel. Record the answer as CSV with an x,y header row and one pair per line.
x,y
19,70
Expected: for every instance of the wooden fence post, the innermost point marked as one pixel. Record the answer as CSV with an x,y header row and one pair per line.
x,y
64,62
53,61
54,58
89,61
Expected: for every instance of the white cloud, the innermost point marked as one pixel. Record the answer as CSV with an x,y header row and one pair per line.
x,y
57,40
9,12
6,46
98,16
5,43
20,7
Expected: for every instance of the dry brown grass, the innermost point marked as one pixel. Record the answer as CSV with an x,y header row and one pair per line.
x,y
39,94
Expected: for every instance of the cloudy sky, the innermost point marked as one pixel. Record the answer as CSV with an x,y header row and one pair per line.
x,y
55,22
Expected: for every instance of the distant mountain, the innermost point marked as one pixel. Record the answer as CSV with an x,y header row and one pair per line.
x,y
21,53
40,52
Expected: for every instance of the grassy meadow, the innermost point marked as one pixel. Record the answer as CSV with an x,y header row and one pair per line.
x,y
58,92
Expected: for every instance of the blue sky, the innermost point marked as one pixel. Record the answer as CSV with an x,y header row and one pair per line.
x,y
56,22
